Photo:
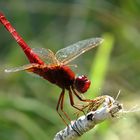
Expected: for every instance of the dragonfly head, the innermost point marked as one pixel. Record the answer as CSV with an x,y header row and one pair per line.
x,y
82,83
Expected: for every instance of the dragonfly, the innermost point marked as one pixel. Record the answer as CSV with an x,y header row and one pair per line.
x,y
54,66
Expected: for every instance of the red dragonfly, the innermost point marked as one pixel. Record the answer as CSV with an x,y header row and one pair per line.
x,y
55,69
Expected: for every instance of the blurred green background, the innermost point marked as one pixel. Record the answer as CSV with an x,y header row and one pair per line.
x,y
27,103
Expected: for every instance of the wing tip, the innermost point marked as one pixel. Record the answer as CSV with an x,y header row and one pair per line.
x,y
6,70
10,70
96,41
99,40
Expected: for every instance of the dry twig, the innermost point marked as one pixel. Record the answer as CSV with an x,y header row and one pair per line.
x,y
109,108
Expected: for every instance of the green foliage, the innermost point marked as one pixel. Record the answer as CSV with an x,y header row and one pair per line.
x,y
100,65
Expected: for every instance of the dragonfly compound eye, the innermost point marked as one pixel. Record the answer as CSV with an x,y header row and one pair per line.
x,y
82,84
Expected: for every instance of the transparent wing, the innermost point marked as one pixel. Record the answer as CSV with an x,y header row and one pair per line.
x,y
73,51
46,55
25,67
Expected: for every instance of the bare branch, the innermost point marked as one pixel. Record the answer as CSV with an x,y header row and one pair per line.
x,y
110,109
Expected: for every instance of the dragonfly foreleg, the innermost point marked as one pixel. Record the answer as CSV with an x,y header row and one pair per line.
x,y
72,102
79,97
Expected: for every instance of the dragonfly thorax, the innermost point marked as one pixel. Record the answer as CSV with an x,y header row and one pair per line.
x,y
82,84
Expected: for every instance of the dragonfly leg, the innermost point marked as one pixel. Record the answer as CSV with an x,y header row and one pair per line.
x,y
72,102
61,107
60,104
80,98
